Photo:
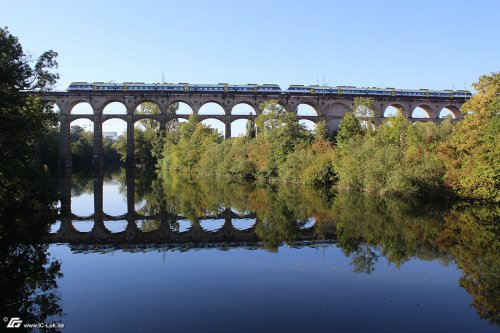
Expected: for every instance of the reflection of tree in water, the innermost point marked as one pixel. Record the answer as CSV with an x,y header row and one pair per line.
x,y
468,235
366,226
398,229
27,275
364,259
81,183
471,234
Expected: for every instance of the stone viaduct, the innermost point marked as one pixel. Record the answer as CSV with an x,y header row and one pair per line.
x,y
328,108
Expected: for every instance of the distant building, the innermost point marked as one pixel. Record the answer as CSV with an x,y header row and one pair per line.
x,y
110,135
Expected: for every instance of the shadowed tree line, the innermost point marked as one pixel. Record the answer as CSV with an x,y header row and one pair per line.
x,y
27,194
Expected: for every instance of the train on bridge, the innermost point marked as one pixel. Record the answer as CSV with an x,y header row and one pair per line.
x,y
267,89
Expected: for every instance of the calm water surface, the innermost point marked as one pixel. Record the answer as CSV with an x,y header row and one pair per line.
x,y
144,255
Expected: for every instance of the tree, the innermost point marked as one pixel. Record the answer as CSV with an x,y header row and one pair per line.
x,y
472,154
81,147
25,119
321,131
279,133
184,147
349,127
363,108
27,275
250,127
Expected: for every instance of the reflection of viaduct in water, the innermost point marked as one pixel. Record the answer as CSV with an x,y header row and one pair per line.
x,y
99,234
328,108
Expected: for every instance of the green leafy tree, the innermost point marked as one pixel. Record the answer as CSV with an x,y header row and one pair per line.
x,y
321,131
349,128
184,147
363,109
81,147
472,154
396,158
279,133
25,120
250,127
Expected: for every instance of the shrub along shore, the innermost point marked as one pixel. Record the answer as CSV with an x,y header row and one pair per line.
x,y
397,157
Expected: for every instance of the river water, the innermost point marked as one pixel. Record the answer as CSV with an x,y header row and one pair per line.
x,y
136,254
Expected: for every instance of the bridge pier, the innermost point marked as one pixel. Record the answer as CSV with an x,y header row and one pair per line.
x,y
64,144
65,190
130,193
130,159
227,132
97,148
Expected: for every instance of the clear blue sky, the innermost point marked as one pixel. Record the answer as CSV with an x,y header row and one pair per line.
x,y
405,44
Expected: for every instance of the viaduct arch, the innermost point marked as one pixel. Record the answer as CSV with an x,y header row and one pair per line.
x,y
328,108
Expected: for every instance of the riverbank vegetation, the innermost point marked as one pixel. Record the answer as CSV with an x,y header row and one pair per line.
x,y
396,157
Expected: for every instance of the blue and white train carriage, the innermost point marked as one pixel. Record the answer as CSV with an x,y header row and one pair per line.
x,y
267,89
176,87
376,92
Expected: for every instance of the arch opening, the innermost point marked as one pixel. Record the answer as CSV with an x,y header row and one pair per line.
x,y
243,223
212,225
116,226
211,108
147,124
420,112
393,110
448,112
115,108
83,226
148,225
215,124
181,226
268,106
309,223
243,109
82,143
366,116
55,227
114,144
306,110
241,127
82,195
183,108
308,124
82,108
147,107
55,108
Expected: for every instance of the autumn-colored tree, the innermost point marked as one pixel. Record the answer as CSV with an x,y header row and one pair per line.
x,y
472,154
